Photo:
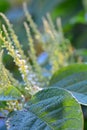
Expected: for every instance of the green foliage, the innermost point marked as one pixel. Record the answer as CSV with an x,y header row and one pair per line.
x,y
7,90
72,7
9,93
74,79
49,109
4,5
52,107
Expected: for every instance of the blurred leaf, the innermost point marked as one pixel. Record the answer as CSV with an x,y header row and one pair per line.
x,y
81,54
67,9
4,5
2,124
74,79
7,90
85,124
9,93
3,104
79,18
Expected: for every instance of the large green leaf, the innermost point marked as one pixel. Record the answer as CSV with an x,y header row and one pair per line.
x,y
74,79
9,93
49,109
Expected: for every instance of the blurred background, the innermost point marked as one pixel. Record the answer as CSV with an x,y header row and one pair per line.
x,y
73,14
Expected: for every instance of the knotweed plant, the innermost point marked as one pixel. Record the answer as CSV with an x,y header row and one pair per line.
x,y
56,46
57,104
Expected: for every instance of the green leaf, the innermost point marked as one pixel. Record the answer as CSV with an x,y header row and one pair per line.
x,y
4,5
9,93
7,90
67,9
3,104
49,109
74,79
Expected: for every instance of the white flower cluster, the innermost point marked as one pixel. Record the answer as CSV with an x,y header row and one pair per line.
x,y
26,71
